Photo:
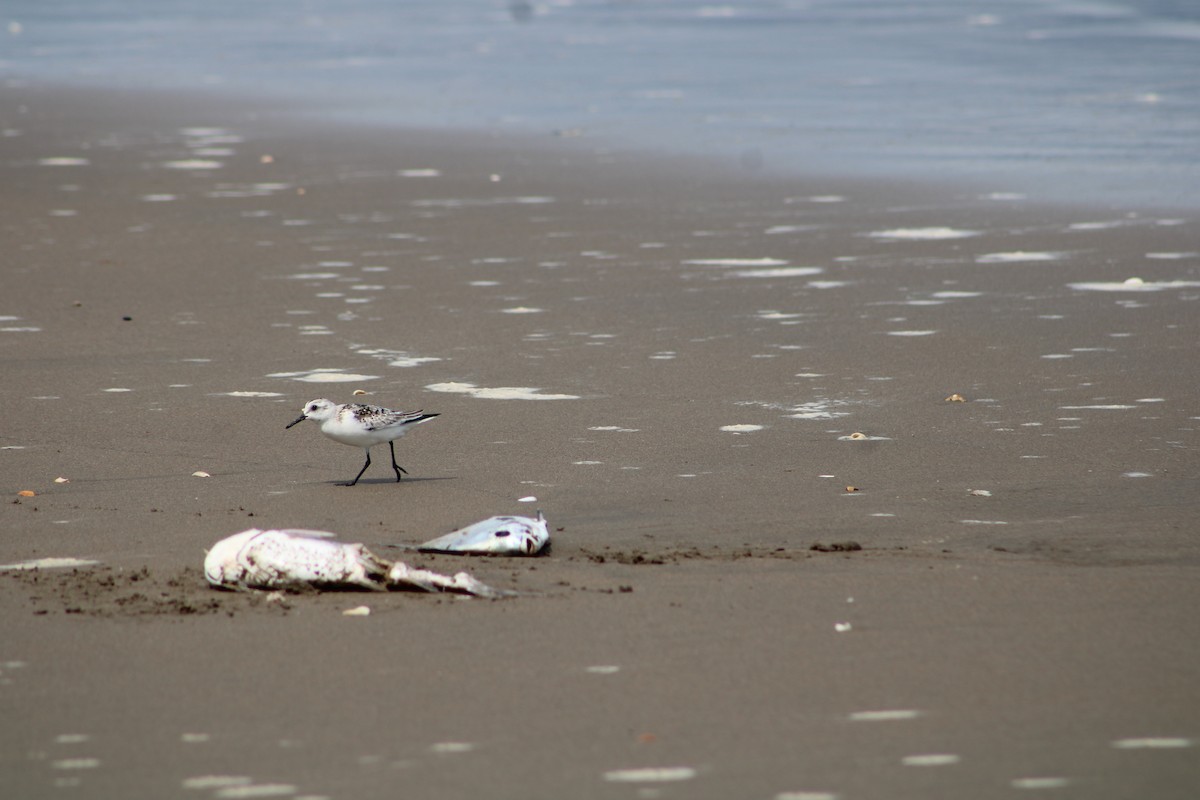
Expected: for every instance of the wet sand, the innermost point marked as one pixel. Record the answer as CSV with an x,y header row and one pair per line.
x,y
699,374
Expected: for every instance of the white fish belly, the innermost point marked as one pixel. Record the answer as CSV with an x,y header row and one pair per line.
x,y
511,536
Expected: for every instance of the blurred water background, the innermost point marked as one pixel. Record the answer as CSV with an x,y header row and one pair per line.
x,y
1066,100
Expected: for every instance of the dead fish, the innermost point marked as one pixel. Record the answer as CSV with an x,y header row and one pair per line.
x,y
500,536
275,559
293,558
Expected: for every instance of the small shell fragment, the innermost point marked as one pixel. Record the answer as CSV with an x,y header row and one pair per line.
x,y
650,775
26,493
266,158
357,611
842,627
61,479
200,474
956,398
851,488
979,493
359,392
858,435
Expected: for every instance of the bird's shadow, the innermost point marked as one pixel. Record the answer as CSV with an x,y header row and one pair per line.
x,y
381,481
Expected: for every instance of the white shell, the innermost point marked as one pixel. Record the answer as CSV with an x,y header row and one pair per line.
x,y
276,559
506,536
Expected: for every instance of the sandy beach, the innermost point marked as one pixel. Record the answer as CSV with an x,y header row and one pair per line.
x,y
711,381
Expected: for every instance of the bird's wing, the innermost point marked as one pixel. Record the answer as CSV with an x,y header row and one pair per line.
x,y
376,417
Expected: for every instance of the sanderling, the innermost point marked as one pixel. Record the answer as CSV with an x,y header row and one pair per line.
x,y
362,426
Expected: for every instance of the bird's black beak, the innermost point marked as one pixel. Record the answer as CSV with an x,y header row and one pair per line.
x,y
297,421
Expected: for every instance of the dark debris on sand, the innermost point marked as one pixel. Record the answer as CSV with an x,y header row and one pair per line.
x,y
112,592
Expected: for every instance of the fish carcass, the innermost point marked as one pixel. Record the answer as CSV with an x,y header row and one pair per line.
x,y
293,558
506,536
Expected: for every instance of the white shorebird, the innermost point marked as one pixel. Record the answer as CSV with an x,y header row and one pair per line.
x,y
362,426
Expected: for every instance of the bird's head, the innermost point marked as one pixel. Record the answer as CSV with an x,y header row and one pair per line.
x,y
315,409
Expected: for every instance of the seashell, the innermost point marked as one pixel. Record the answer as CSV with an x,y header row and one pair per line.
x,y
359,392
858,435
956,398
357,611
501,536
851,488
200,474
980,493
61,479
26,493
295,558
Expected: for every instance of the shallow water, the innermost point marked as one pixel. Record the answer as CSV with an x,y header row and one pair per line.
x,y
1055,99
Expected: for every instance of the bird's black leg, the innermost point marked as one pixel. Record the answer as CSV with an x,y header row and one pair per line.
x,y
361,471
396,466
